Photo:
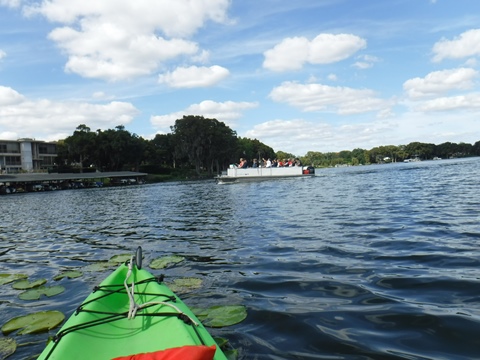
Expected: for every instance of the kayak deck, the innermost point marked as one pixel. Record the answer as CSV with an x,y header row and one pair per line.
x,y
100,328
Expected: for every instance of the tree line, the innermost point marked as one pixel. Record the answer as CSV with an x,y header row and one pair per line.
x,y
208,146
392,153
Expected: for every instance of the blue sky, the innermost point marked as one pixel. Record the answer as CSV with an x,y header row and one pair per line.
x,y
303,75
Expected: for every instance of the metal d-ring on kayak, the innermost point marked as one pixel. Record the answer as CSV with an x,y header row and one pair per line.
x,y
130,312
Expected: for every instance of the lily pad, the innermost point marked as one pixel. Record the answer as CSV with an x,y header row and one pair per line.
x,y
119,259
185,284
34,294
34,323
7,347
221,316
99,266
71,274
25,284
8,278
221,342
166,261
231,354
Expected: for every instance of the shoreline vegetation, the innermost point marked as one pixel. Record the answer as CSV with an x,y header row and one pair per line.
x,y
200,148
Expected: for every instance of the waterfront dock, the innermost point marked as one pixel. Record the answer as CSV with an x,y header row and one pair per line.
x,y
31,182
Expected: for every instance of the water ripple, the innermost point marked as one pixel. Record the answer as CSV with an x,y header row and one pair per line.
x,y
373,262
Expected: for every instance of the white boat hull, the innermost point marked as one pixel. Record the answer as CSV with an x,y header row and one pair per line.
x,y
235,175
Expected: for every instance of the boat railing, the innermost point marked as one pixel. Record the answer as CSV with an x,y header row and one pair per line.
x,y
264,171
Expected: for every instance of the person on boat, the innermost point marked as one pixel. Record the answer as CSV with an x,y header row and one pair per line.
x,y
243,163
268,163
254,163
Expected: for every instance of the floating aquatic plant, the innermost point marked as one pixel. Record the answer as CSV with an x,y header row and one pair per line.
x,y
185,284
33,323
99,266
7,347
71,274
166,261
221,316
8,278
106,265
36,293
221,342
231,354
121,258
26,284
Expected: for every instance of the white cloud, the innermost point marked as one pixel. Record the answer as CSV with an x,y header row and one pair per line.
x,y
9,135
105,51
293,53
439,82
201,57
193,76
8,96
3,54
332,77
181,18
362,65
465,45
304,136
32,118
296,130
461,102
318,97
227,112
100,95
121,39
10,3
290,54
472,62
365,62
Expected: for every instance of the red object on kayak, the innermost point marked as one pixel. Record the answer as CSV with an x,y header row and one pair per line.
x,y
188,352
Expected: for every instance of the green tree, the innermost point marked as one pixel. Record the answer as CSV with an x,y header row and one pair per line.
x,y
161,150
253,149
312,158
401,153
422,150
205,142
118,149
373,155
359,155
79,147
345,156
476,149
282,155
222,142
464,149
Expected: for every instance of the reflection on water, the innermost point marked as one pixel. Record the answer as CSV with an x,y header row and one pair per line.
x,y
373,262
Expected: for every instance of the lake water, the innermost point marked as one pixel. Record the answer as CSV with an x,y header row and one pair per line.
x,y
372,262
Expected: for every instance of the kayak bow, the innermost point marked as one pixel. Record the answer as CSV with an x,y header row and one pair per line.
x,y
132,312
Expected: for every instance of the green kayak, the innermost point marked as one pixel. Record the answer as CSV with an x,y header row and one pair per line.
x,y
147,321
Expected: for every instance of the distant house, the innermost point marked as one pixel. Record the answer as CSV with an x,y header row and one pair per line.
x,y
28,155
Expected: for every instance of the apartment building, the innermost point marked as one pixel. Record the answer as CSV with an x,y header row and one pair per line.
x,y
26,155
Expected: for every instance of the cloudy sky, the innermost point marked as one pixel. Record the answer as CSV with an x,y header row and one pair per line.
x,y
303,75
